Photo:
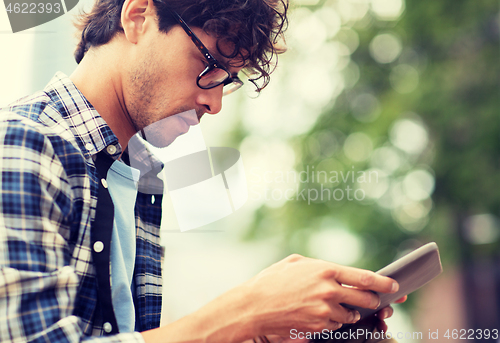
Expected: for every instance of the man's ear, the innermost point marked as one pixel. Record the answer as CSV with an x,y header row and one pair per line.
x,y
136,17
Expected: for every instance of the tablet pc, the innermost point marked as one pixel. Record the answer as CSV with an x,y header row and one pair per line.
x,y
411,271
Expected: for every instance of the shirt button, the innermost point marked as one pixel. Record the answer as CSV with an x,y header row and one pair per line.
x,y
111,149
107,327
98,246
89,146
104,183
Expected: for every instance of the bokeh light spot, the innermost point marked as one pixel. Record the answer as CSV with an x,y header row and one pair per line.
x,y
418,184
358,146
387,159
385,48
482,229
387,9
409,135
365,107
336,245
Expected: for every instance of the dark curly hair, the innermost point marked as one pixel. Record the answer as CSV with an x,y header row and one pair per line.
x,y
253,27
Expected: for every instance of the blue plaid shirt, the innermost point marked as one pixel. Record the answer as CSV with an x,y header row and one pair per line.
x,y
49,184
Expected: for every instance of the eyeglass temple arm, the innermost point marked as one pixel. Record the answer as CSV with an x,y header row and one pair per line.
x,y
191,34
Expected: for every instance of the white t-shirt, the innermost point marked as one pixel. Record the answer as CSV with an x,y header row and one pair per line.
x,y
122,185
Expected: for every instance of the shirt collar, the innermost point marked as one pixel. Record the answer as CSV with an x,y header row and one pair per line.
x,y
91,131
89,128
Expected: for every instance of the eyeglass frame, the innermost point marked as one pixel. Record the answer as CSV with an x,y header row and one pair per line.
x,y
211,60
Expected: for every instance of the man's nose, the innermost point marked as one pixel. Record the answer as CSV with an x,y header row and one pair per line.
x,y
211,99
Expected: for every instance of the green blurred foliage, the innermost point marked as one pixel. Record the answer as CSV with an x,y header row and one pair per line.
x,y
454,47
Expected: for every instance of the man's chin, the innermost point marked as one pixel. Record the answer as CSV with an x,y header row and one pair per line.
x,y
162,133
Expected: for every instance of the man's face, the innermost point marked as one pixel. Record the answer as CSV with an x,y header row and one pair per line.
x,y
161,79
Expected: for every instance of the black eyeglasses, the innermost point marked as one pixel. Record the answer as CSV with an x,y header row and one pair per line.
x,y
215,74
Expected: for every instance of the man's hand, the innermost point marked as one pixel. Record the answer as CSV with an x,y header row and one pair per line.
x,y
376,320
305,294
297,293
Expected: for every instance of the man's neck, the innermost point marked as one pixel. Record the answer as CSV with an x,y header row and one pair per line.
x,y
100,82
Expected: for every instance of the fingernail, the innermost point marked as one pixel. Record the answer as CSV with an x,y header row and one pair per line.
x,y
395,287
382,315
357,317
376,302
335,325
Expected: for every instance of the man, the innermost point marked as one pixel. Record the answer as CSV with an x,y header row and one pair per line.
x,y
63,176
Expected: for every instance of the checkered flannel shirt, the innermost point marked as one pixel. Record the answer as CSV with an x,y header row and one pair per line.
x,y
48,186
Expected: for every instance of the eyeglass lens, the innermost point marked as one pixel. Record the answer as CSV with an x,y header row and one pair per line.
x,y
233,86
214,77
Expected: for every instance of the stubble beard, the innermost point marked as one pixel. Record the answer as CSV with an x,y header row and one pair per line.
x,y
141,87
143,83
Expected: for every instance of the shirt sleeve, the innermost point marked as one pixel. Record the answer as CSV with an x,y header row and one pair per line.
x,y
38,287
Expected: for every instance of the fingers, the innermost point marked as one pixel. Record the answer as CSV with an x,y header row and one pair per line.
x,y
333,325
382,326
319,296
388,311
365,299
342,315
360,298
363,279
385,313
401,300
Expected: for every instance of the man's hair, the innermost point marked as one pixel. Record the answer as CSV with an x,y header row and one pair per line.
x,y
253,28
